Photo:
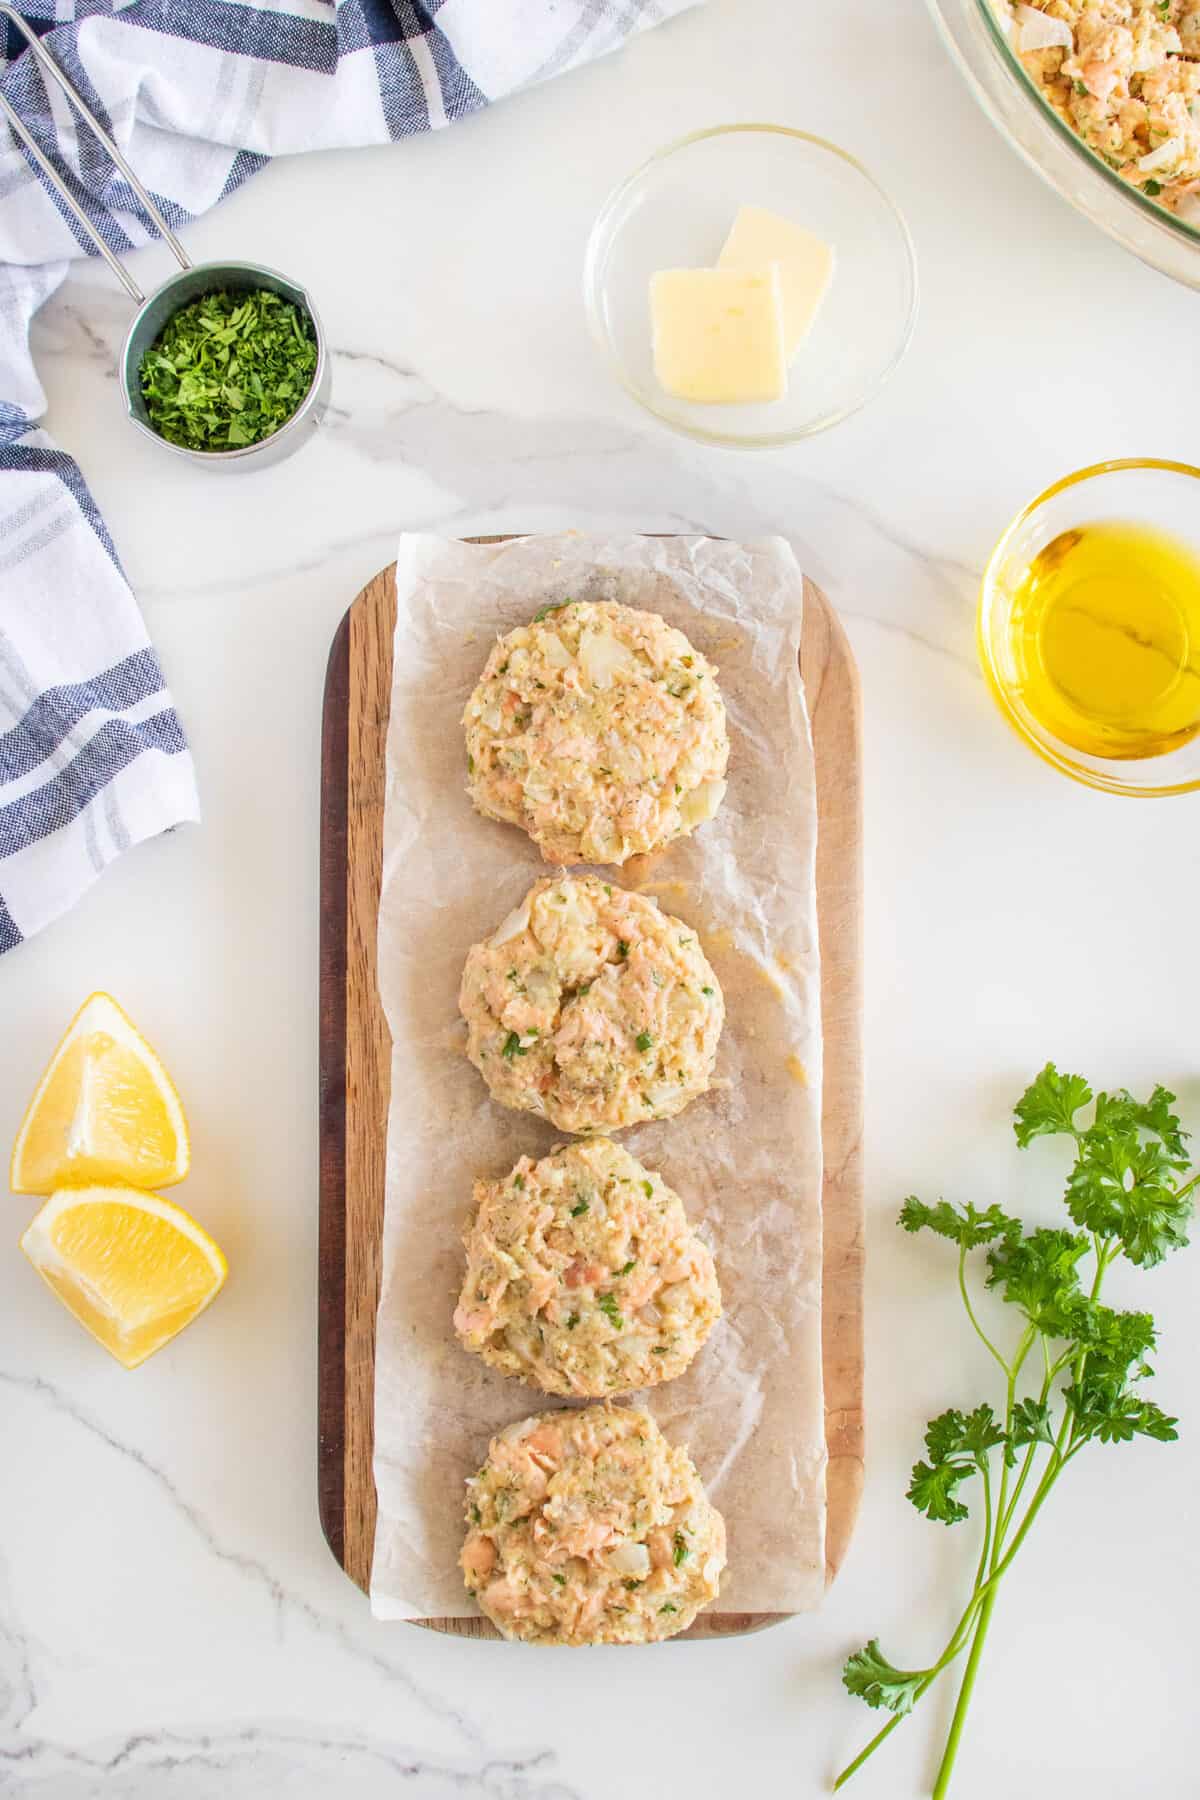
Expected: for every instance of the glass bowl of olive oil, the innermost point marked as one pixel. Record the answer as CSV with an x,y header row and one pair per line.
x,y
1089,626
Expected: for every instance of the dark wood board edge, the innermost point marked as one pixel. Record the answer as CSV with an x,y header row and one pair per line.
x,y
331,1098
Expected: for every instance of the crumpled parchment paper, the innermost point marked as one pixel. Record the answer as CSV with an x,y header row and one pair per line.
x,y
746,1158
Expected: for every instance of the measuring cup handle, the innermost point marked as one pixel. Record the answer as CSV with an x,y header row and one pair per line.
x,y
46,62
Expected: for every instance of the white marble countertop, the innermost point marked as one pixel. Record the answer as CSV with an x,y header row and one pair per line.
x,y
171,1623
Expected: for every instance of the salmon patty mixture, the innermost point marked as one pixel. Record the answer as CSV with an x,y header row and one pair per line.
x,y
600,730
589,1528
1125,76
592,1008
584,1276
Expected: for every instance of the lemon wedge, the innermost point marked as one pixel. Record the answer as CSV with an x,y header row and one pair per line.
x,y
132,1267
105,1110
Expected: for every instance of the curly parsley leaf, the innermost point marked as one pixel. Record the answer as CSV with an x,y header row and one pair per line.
x,y
1124,1185
1121,1112
1031,1423
871,1677
1049,1105
1117,1343
963,1225
958,1445
1103,1408
1040,1275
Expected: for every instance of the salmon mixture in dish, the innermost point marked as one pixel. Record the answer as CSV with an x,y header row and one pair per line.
x,y
588,1528
584,1276
1124,75
592,1008
600,730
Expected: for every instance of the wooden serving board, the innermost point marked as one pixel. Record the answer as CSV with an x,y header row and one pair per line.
x,y
355,1054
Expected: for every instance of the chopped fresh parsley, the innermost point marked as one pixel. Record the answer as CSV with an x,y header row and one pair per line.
x,y
680,1553
512,1046
629,1266
630,1583
709,991
476,1515
228,369
1153,188
643,1040
558,606
578,1210
518,1181
670,1606
573,1321
659,1350
608,1306
622,949
561,1580
648,1189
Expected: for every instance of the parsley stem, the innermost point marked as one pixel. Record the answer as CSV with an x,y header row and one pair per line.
x,y
966,1300
870,1749
1181,1193
1052,1472
987,1549
941,1786
1023,1349
953,1648
1030,1454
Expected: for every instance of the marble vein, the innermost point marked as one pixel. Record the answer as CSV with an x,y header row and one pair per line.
x,y
252,1567
263,1759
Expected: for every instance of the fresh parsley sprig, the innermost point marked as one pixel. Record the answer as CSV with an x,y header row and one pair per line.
x,y
1126,1196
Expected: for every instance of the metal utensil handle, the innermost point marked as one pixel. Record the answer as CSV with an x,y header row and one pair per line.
x,y
47,63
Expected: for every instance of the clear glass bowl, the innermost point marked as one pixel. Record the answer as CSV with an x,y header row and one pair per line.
x,y
675,212
1162,495
994,74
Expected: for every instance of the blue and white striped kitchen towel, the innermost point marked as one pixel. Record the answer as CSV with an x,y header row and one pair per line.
x,y
199,95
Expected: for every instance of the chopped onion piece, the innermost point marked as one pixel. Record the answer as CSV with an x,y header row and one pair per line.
x,y
516,922
554,650
1038,31
702,802
601,656
1158,159
629,1559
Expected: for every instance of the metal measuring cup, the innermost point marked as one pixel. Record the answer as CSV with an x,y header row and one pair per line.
x,y
193,280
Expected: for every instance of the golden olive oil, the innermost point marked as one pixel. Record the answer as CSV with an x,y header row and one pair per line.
x,y
1106,632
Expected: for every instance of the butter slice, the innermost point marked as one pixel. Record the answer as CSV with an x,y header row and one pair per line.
x,y
805,263
718,334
